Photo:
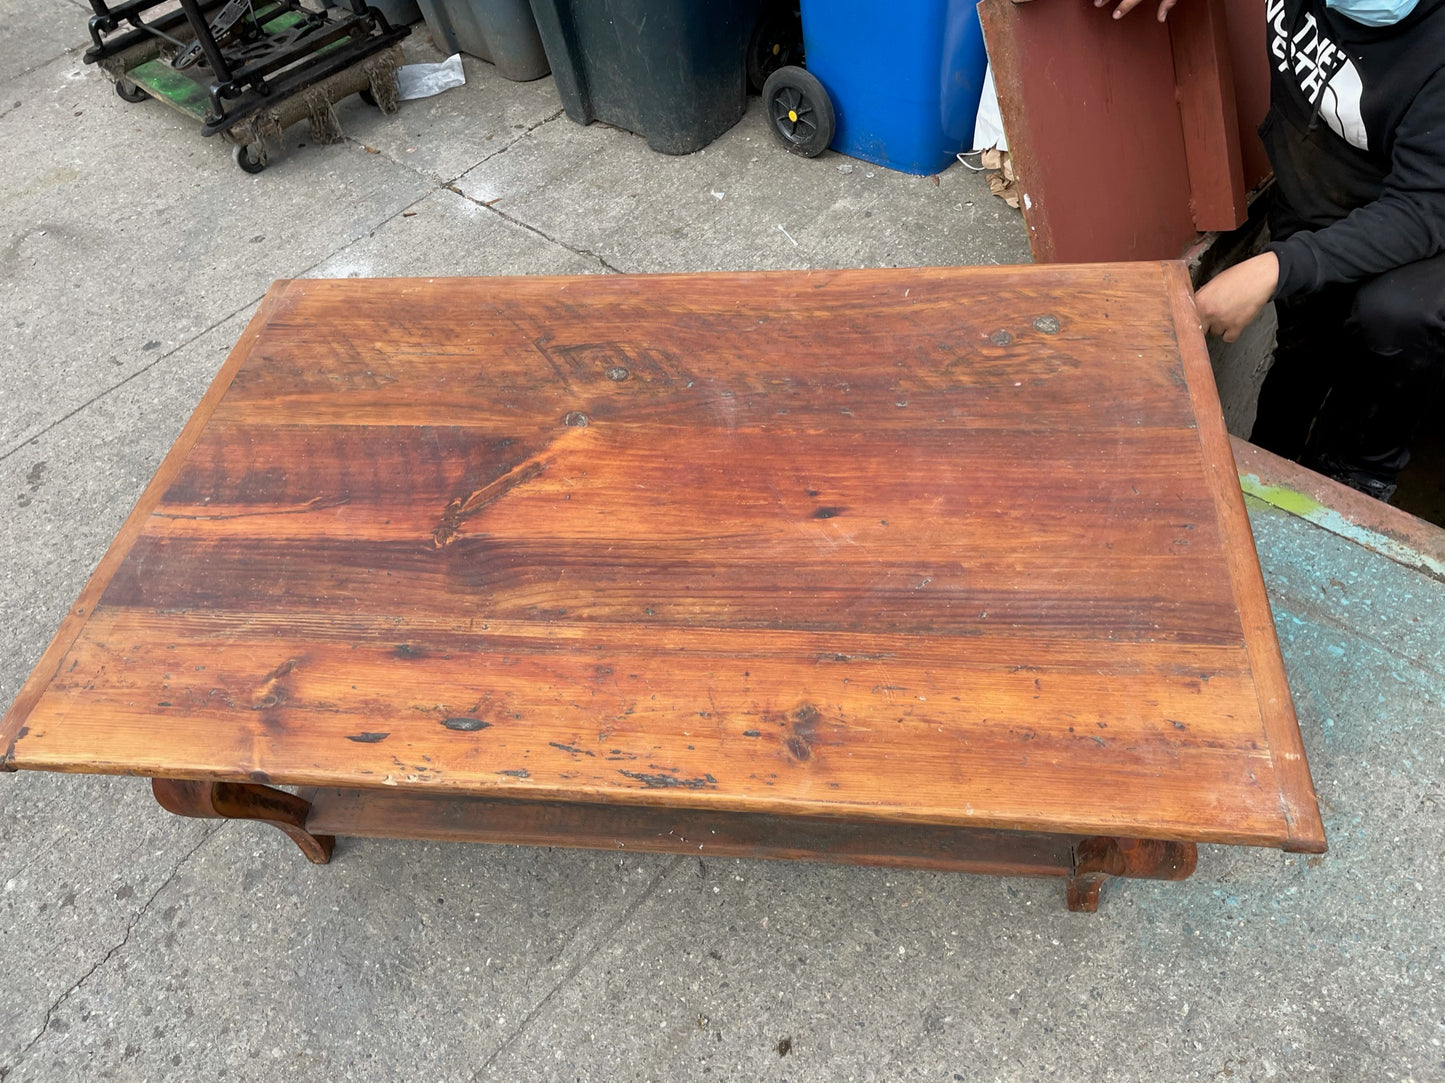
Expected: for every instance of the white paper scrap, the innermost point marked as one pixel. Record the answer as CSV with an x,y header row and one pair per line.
x,y
425,80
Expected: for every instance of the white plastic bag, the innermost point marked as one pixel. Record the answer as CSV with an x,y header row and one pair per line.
x,y
988,129
424,80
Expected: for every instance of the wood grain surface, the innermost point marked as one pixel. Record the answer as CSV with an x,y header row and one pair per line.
x,y
938,546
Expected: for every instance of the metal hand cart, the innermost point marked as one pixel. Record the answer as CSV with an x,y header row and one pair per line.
x,y
248,69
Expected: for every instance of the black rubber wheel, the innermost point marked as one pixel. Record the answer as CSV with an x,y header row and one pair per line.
x,y
800,111
133,95
777,41
368,97
246,160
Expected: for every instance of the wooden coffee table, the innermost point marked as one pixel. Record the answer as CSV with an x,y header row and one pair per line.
x,y
937,568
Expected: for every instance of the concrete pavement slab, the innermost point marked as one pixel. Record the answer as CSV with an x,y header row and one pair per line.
x,y
743,203
447,135
400,961
448,234
1330,581
81,859
126,233
35,34
67,491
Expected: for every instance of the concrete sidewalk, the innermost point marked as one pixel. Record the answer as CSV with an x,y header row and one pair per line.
x,y
140,946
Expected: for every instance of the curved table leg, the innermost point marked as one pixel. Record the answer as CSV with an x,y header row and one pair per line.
x,y
1097,859
245,801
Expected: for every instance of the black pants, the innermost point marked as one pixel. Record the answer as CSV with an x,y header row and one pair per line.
x,y
1355,371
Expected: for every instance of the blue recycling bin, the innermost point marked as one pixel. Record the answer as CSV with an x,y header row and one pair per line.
x,y
904,77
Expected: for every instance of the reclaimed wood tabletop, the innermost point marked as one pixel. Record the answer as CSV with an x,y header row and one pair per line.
x,y
954,546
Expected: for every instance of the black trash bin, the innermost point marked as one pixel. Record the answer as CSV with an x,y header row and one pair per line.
x,y
673,71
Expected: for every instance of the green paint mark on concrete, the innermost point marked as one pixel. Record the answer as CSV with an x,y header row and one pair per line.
x,y
1280,497
1311,510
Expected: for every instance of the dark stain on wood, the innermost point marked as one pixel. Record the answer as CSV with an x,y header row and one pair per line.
x,y
280,671
667,782
573,749
367,738
5,760
519,773
828,513
464,724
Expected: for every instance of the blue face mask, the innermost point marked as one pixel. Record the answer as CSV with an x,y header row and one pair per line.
x,y
1373,12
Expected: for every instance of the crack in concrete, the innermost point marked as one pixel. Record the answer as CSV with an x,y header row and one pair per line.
x,y
68,53
436,178
508,146
449,186
582,963
5,1070
35,436
576,250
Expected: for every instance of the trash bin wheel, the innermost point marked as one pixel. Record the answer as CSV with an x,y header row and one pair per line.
x,y
129,92
243,157
777,41
800,111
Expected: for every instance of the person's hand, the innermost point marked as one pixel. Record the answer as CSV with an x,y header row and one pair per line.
x,y
1126,6
1230,301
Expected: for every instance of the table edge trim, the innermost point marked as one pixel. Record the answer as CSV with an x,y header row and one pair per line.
x,y
1299,806
12,726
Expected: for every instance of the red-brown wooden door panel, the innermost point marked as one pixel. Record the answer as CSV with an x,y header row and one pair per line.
x,y
1129,137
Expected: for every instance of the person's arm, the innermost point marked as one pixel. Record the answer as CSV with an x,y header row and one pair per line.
x,y
1231,300
1406,224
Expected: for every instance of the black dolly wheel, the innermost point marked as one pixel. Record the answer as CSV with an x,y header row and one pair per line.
x,y
777,40
247,160
800,111
129,92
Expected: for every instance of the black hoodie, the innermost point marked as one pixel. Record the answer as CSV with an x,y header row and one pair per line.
x,y
1356,135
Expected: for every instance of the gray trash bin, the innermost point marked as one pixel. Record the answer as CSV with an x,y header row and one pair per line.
x,y
501,31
